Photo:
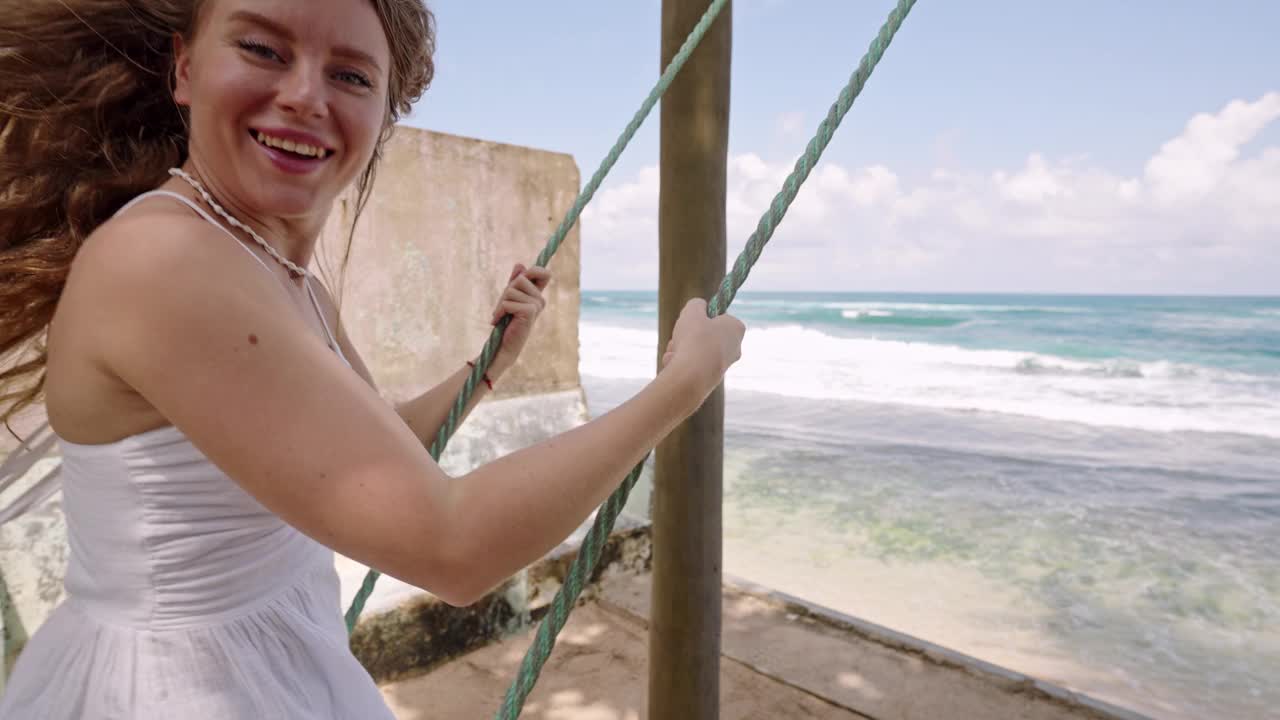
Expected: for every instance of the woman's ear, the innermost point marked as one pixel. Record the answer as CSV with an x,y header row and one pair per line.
x,y
181,71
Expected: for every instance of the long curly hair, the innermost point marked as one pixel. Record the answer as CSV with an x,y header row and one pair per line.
x,y
88,121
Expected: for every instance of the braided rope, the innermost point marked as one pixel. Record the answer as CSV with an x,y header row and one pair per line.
x,y
584,563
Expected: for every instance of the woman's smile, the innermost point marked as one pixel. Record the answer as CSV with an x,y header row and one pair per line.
x,y
292,151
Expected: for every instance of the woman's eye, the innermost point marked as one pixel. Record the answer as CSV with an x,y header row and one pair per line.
x,y
355,78
259,49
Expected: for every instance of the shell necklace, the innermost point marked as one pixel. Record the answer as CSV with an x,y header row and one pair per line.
x,y
294,269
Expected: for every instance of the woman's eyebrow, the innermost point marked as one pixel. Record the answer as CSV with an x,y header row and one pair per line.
x,y
354,54
254,18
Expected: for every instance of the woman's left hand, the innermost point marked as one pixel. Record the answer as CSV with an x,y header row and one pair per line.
x,y
523,301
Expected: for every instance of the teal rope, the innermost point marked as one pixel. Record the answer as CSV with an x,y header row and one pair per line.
x,y
584,563
805,164
450,425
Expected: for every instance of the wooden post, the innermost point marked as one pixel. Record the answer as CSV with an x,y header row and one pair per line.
x,y
684,637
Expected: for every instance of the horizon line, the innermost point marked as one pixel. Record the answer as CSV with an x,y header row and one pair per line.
x,y
1071,293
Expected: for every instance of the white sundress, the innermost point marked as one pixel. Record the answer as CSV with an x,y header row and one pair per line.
x,y
186,598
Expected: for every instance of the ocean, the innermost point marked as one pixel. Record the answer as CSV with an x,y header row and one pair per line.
x,y
1084,489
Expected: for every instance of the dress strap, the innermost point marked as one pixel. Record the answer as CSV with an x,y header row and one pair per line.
x,y
333,340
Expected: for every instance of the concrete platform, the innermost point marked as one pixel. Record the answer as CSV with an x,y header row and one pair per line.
x,y
780,659
599,671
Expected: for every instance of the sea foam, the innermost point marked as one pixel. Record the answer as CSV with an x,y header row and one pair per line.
x,y
804,362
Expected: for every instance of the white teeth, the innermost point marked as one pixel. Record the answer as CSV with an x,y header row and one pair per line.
x,y
291,146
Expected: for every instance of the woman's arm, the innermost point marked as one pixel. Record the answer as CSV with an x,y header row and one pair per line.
x,y
425,413
215,347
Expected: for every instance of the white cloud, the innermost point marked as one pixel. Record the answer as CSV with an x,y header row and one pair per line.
x,y
1204,216
1032,185
1192,165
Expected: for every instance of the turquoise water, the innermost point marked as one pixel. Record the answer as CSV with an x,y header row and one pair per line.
x,y
1158,363
1108,464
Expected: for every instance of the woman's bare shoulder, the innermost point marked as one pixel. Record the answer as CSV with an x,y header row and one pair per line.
x,y
134,276
158,269
158,234
157,255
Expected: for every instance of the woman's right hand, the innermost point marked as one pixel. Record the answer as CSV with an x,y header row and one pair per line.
x,y
705,347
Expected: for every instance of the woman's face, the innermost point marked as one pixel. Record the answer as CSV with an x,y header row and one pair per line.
x,y
287,99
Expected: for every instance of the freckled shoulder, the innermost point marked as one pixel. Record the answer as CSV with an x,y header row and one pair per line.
x,y
157,256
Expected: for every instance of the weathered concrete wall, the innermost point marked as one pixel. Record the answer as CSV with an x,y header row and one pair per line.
x,y
435,246
431,253
33,560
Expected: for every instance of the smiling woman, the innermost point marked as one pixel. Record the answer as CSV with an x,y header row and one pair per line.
x,y
165,170
288,92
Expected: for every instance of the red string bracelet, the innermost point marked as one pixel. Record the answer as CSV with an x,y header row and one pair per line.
x,y
487,381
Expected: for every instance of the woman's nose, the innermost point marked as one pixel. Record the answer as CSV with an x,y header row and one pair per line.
x,y
302,91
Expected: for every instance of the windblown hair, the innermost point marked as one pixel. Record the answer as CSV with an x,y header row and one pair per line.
x,y
88,121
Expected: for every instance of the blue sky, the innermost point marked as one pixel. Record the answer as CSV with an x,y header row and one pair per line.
x,y
1000,146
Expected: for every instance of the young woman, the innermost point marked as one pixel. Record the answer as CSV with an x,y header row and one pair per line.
x,y
165,169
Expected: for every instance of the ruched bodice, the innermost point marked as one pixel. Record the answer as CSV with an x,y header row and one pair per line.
x,y
185,599
184,546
